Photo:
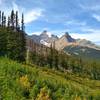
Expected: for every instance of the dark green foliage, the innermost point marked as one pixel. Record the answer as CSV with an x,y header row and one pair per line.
x,y
3,41
12,39
12,19
16,46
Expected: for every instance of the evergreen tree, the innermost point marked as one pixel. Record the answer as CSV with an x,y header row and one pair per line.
x,y
0,18
22,22
16,20
14,42
56,59
8,23
22,46
22,40
12,19
50,56
4,21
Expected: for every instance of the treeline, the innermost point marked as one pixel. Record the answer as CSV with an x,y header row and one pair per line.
x,y
12,36
12,21
49,57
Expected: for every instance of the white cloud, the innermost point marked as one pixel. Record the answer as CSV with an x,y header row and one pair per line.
x,y
93,36
75,22
29,15
15,6
34,33
33,15
94,7
97,17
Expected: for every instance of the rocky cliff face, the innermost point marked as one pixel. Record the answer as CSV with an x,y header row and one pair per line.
x,y
64,41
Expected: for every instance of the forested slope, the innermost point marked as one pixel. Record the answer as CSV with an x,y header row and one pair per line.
x,y
24,82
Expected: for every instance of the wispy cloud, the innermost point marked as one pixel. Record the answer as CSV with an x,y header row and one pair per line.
x,y
29,15
97,17
95,7
15,7
76,22
35,33
94,35
33,15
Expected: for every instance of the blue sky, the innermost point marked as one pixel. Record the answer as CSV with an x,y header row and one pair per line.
x,y
81,18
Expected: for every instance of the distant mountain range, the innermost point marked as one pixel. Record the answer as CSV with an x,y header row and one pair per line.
x,y
78,47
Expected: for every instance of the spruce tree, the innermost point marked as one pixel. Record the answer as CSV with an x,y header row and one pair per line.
x,y
0,18
50,57
22,22
8,23
4,21
56,59
12,19
16,20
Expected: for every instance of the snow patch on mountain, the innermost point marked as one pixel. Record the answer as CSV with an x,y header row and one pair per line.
x,y
45,43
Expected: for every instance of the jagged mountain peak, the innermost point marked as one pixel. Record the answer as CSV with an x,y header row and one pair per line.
x,y
67,37
66,34
45,33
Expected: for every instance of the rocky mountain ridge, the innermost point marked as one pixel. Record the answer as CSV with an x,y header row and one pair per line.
x,y
62,42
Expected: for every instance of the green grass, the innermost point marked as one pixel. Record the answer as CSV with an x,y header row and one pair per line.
x,y
24,82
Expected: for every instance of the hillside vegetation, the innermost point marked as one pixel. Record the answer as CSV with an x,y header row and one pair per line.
x,y
24,82
29,71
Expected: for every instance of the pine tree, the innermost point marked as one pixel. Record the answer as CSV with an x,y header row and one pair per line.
x,y
12,19
16,20
0,18
50,56
56,59
8,23
22,22
23,41
23,46
4,21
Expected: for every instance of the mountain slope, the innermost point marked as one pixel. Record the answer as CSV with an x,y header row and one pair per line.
x,y
83,52
87,43
22,82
